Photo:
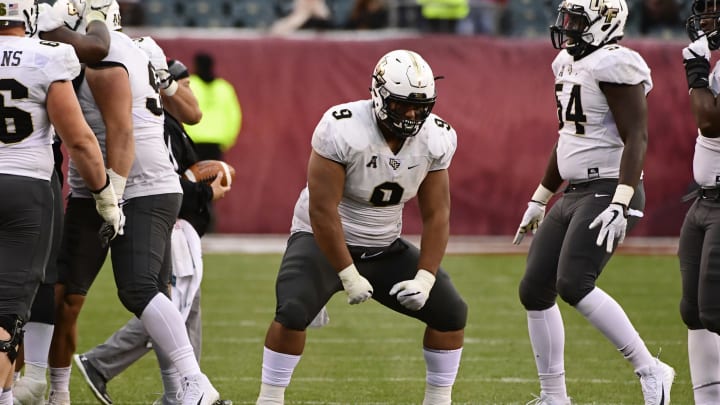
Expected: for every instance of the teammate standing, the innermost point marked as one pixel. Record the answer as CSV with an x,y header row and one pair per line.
x,y
601,90
129,126
38,93
700,233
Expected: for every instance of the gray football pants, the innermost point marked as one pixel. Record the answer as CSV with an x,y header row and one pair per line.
x,y
131,342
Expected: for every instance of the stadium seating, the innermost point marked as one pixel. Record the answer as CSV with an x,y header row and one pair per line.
x,y
530,18
211,13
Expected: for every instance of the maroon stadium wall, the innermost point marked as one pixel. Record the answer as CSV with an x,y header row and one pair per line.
x,y
497,93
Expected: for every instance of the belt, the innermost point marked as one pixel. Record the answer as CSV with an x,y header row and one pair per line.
x,y
586,184
709,193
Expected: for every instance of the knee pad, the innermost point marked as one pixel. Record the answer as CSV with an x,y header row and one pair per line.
x,y
293,314
690,315
135,301
711,321
452,320
43,308
13,325
535,297
572,290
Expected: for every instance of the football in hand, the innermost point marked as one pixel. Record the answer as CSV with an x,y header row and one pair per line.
x,y
206,170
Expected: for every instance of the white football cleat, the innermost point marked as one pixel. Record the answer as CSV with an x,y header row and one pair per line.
x,y
29,391
545,399
197,390
58,398
656,382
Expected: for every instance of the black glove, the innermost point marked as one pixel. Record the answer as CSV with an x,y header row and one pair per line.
x,y
697,71
696,58
177,69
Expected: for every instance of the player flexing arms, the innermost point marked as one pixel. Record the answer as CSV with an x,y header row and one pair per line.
x,y
369,157
700,233
129,126
601,90
36,80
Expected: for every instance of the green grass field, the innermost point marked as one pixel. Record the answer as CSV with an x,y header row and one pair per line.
x,y
370,355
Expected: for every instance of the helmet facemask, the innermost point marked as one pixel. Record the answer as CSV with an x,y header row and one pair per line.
x,y
571,30
705,21
403,93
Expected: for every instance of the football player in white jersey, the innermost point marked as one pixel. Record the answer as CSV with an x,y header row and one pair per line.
x,y
129,343
90,48
601,90
368,158
37,79
129,126
700,232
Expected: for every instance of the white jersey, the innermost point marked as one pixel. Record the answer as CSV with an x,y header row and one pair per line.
x,y
152,172
27,69
706,161
590,146
152,50
377,181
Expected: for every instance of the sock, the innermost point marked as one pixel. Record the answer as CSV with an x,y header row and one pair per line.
x,y
704,356
603,312
547,337
277,369
171,383
36,341
34,372
165,325
437,395
271,395
442,367
60,379
6,398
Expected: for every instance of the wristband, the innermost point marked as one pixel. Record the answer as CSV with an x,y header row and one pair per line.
x,y
542,195
171,89
425,277
623,194
95,15
348,273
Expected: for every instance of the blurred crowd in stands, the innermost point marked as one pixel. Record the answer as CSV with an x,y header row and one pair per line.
x,y
523,18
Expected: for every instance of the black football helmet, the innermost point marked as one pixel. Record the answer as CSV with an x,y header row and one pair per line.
x,y
705,20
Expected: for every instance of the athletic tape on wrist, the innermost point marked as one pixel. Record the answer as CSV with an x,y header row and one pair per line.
x,y
542,195
623,194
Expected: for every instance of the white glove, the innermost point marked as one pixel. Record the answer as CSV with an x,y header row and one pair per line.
x,y
412,294
531,220
357,287
48,19
613,225
696,49
118,183
106,205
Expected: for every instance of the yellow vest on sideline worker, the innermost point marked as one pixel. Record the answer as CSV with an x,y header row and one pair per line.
x,y
222,116
444,9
